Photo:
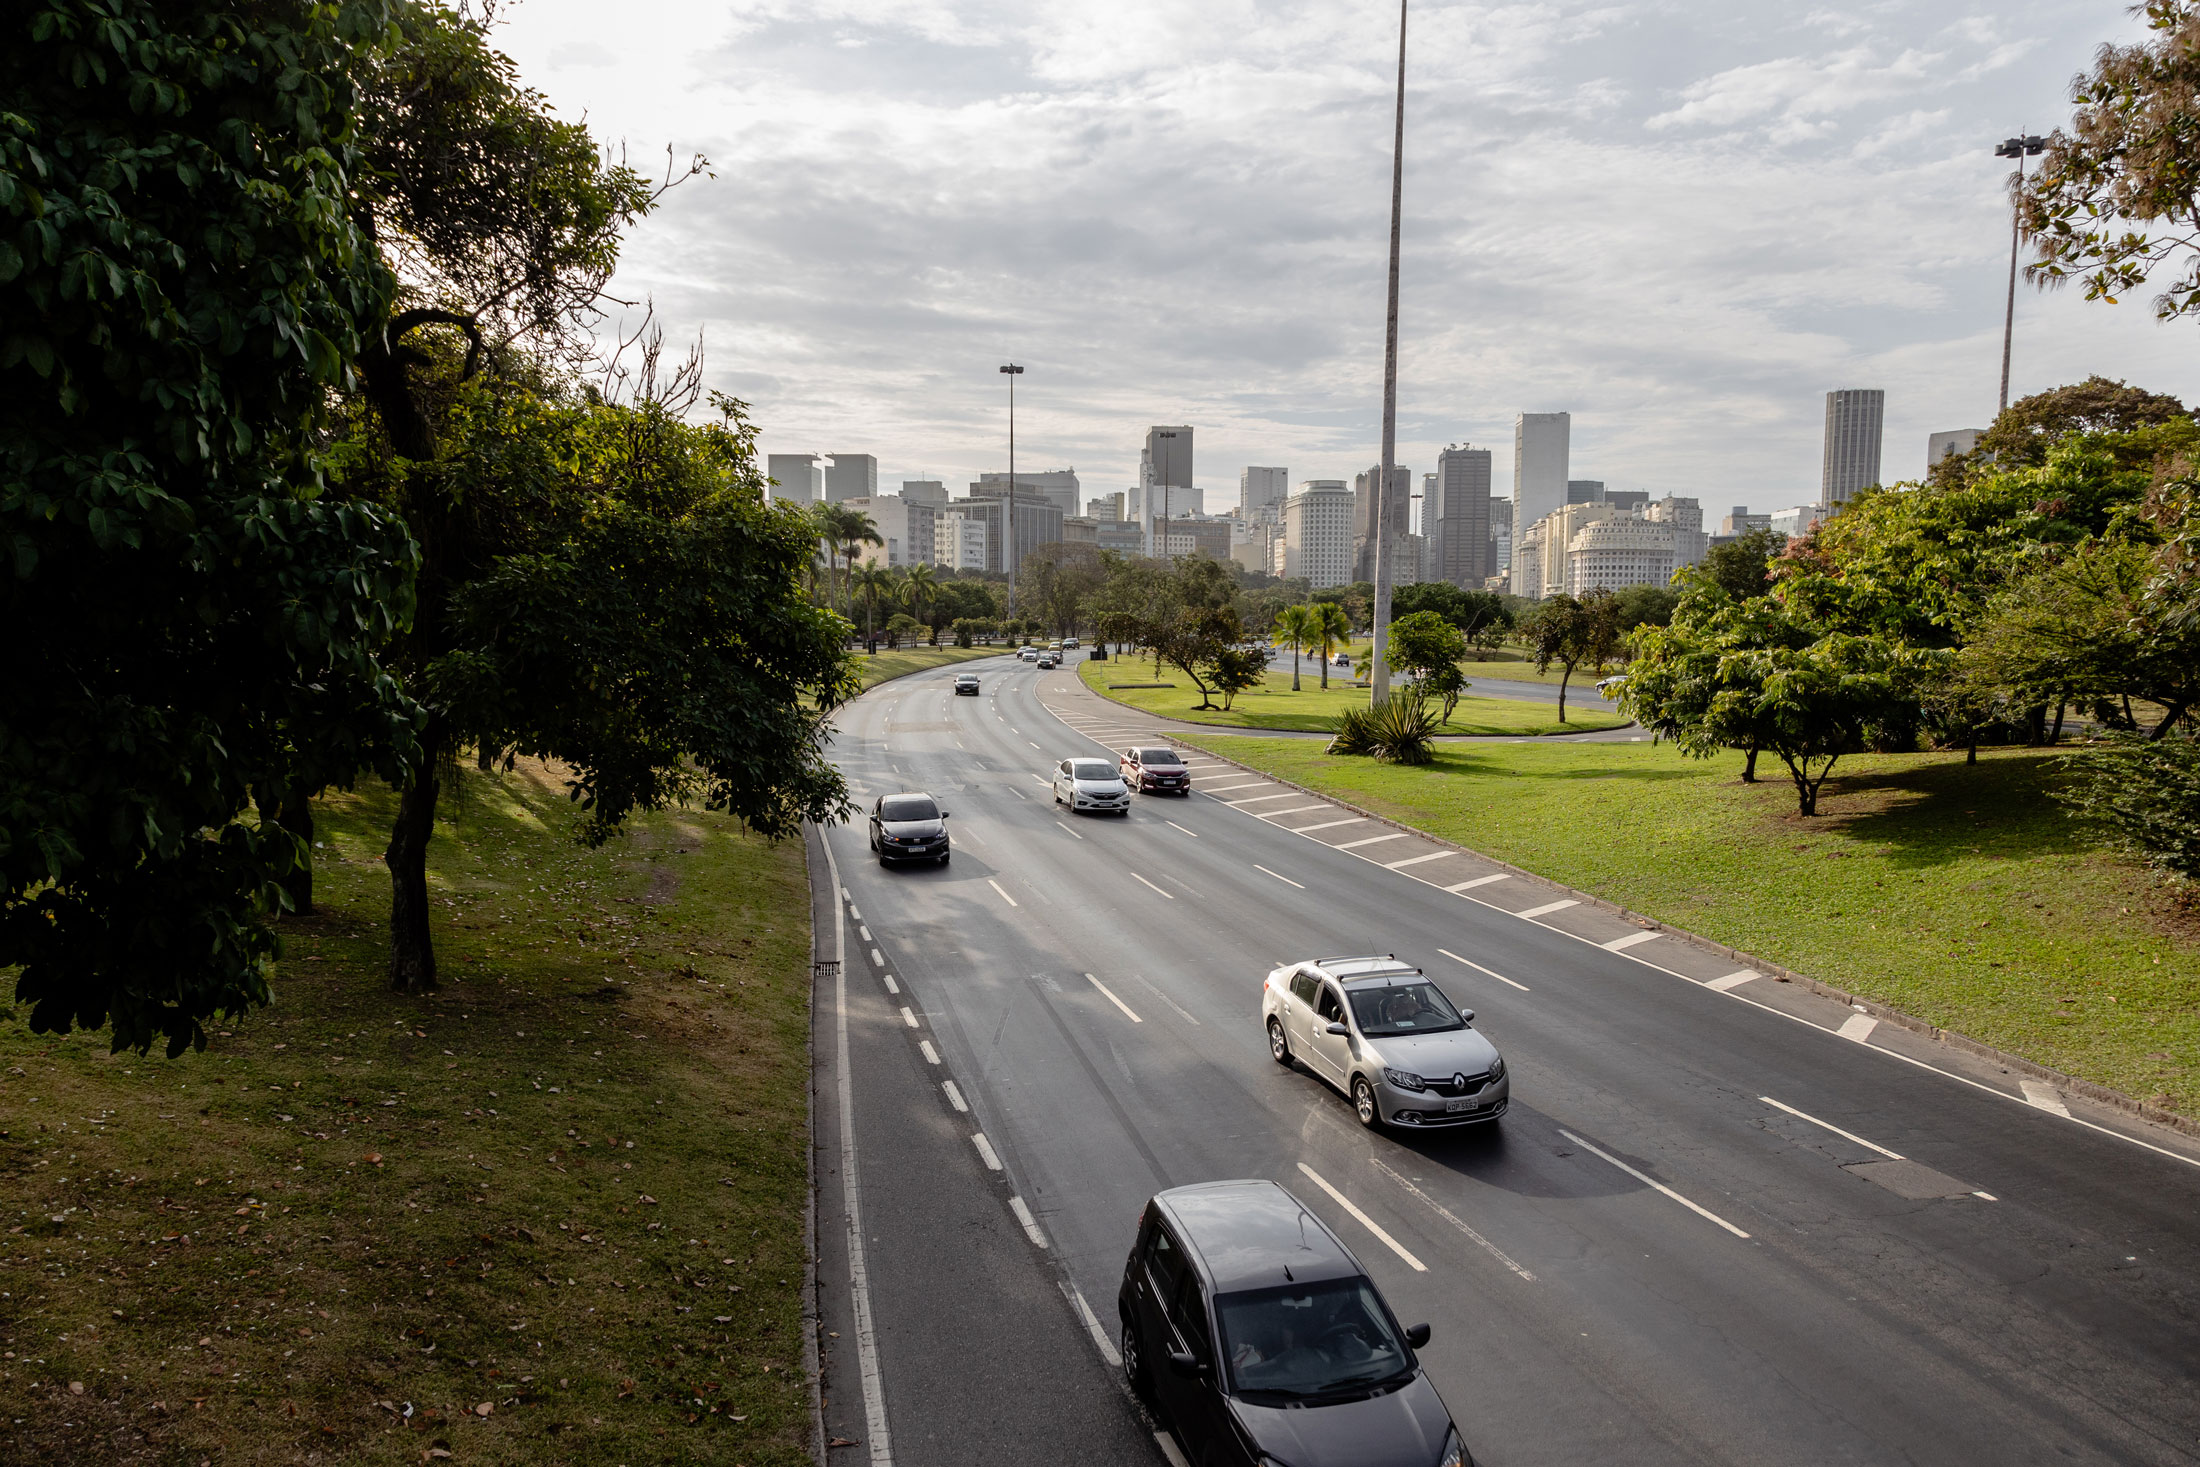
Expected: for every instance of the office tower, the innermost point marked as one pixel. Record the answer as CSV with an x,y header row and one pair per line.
x,y
851,476
1741,521
1165,475
1317,533
1258,487
1398,505
1058,487
1202,536
1634,501
1584,491
908,528
1525,574
1620,551
960,543
1950,444
1106,507
1853,418
1501,534
1455,517
924,491
1540,458
1125,537
795,477
1038,523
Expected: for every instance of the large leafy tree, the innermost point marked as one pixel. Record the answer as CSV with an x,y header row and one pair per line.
x,y
1427,645
1571,631
182,285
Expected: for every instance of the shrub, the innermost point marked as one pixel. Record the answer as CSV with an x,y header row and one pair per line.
x,y
2146,794
1398,730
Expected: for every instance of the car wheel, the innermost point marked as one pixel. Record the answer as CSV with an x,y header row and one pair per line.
x,y
1363,1103
1134,1364
1279,1048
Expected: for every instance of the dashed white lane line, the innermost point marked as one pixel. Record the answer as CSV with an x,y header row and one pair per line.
x,y
1032,745
1447,952
1109,995
1653,1183
878,959
1073,835
985,1150
1364,1220
1547,908
1181,1012
1091,1321
1733,980
1453,1218
1829,1126
1144,882
1858,1027
1287,881
909,1018
1373,840
931,1055
1478,881
1325,825
955,1097
863,932
1174,826
989,881
2041,1095
1621,944
1417,860
1031,1224
891,985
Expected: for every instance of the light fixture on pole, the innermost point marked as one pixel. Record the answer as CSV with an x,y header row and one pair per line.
x,y
2019,149
1008,519
1380,680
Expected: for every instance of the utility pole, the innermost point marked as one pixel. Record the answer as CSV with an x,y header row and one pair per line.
x,y
2016,148
1008,519
1383,546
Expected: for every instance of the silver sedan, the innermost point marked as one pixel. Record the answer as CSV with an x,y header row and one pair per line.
x,y
1379,1031
1090,784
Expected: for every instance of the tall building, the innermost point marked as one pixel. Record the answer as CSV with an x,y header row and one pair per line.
x,y
1106,507
1633,500
1259,487
1038,522
1951,443
1690,543
795,477
1317,533
1186,536
1741,521
1853,419
851,476
1398,506
1501,533
924,491
960,543
1539,568
908,528
1584,491
1620,551
1455,517
1058,487
1541,452
1165,485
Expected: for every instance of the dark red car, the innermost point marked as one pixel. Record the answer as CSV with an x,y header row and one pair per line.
x,y
1154,770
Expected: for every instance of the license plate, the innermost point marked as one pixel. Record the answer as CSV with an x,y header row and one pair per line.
x,y
1462,1103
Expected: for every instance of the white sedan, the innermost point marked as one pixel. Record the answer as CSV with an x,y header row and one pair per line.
x,y
1090,784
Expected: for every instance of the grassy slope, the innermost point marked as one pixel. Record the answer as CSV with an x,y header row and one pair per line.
x,y
915,659
568,1188
1277,707
1962,895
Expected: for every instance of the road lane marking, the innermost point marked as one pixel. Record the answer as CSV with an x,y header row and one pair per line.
x,y
1092,1326
891,985
1032,745
1073,835
1325,825
1447,952
863,932
1294,810
1478,881
1858,1027
1653,1183
1250,784
2043,1096
1449,1216
1829,1126
1990,1197
1260,799
1733,980
1142,880
1287,881
909,1018
1031,1224
1174,826
1365,1221
1169,1450
985,1150
1417,860
1621,944
931,1055
878,959
1547,908
1181,1012
1373,840
955,1097
989,881
1109,995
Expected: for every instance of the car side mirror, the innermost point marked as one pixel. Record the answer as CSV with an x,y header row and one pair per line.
x,y
1182,1363
1417,1336
945,813
1340,1030
1466,1016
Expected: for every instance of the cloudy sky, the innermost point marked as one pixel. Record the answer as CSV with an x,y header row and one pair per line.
x,y
1680,220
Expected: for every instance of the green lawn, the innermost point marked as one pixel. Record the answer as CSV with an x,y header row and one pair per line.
x,y
887,665
554,1211
1962,895
1276,706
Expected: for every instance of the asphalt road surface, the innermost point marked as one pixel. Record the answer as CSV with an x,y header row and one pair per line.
x,y
1726,1221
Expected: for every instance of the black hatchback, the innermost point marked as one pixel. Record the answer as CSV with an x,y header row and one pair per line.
x,y
908,827
1253,1331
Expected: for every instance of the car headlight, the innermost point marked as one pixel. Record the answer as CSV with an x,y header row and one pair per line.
x,y
1455,1452
1497,1068
1405,1079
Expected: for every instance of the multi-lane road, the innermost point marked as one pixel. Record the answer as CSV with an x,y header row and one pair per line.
x,y
1726,1221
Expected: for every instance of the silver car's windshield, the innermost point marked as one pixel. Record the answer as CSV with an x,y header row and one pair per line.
x,y
1309,1340
1090,769
1406,1008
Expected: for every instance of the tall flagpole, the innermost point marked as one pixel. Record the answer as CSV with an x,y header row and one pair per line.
x,y
1383,545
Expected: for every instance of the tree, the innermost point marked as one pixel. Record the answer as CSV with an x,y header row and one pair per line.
x,y
1429,647
2145,793
1645,606
1482,617
1743,567
1195,640
845,531
2024,431
188,618
1570,632
961,598
920,588
1332,629
1234,669
1297,625
875,585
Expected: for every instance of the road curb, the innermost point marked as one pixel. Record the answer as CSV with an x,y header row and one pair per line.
x,y
813,1304
1954,1039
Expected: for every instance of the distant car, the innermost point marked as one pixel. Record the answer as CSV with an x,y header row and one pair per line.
x,y
1258,1336
1341,659
1155,770
1069,643
908,827
1054,646
1090,784
1381,1032
966,682
1029,654
1050,659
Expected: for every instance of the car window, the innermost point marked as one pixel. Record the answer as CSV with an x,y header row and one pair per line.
x,y
1404,1008
1158,756
1188,1312
1302,987
1165,1261
908,807
1090,769
1309,1340
1328,1006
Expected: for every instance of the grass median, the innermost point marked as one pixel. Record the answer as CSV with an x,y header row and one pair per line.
x,y
906,660
1961,894
1275,706
550,1213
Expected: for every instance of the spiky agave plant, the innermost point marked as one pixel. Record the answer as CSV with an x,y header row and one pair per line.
x,y
1398,730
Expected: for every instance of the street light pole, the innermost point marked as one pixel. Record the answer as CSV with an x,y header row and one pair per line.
x,y
1381,670
1008,519
2016,148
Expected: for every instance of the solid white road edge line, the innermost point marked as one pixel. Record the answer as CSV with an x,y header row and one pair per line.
x,y
1365,1221
1653,1183
1829,1126
985,1150
1109,995
859,1278
1447,952
1287,881
989,881
1091,1323
1031,1224
1142,881
1449,1216
1169,1450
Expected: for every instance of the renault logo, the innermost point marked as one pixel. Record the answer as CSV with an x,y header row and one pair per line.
x,y
1460,1081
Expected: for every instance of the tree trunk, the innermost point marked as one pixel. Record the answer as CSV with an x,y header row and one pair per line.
x,y
2170,715
2054,735
1294,667
1325,667
1749,766
1971,756
1564,677
412,944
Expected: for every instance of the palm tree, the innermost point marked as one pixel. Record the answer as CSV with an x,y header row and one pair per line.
x,y
919,589
845,532
875,583
1299,623
1331,626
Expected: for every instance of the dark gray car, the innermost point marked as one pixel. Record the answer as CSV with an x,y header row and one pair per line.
x,y
1254,1332
908,827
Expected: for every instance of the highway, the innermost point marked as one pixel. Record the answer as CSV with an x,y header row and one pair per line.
x,y
1725,1221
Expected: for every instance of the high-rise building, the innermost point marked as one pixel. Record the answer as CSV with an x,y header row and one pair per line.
x,y
1165,484
1541,453
1317,533
1951,443
1038,522
1623,550
851,476
1634,501
924,491
1258,487
1690,543
795,477
960,542
1741,521
1455,517
908,528
1398,506
1543,572
1501,533
1853,419
1106,507
1058,487
1584,491
1188,536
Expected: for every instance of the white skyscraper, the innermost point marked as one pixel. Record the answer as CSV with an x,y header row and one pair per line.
x,y
1258,487
796,477
1541,455
851,476
1317,533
